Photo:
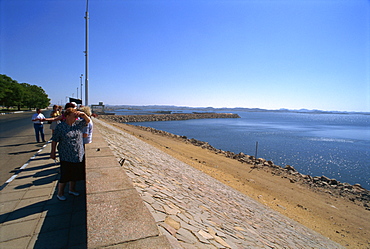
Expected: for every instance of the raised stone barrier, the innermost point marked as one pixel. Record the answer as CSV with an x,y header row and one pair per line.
x,y
166,117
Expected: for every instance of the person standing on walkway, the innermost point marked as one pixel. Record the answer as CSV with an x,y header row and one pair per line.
x,y
88,130
54,114
60,117
38,124
68,137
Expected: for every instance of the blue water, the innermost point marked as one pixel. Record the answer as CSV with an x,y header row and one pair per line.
x,y
334,145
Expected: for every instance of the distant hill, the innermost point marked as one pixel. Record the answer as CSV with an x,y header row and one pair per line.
x,y
225,109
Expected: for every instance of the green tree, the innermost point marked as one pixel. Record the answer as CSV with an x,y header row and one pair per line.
x,y
27,101
16,96
35,96
21,95
6,89
39,97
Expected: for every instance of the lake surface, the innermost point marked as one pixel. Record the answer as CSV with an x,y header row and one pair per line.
x,y
334,145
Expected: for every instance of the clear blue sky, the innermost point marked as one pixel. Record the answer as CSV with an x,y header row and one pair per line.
x,y
312,54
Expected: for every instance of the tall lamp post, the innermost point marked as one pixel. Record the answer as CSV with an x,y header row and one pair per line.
x,y
81,85
86,55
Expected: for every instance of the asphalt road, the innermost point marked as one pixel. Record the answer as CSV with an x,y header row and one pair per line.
x,y
18,142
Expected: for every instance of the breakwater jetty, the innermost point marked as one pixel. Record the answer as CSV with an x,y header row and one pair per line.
x,y
166,117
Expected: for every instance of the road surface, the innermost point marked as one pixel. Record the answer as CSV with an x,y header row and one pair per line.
x,y
18,142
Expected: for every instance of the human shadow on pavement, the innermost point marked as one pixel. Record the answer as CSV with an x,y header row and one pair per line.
x,y
63,222
16,145
27,151
29,169
23,152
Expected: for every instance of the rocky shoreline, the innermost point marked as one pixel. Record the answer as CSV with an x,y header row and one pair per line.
x,y
166,117
354,193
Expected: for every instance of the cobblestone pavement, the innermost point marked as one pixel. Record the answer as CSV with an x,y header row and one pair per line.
x,y
196,211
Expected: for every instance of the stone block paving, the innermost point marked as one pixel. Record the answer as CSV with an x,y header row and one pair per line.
x,y
30,214
116,215
194,210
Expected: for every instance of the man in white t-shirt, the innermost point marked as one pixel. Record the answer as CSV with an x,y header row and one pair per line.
x,y
38,124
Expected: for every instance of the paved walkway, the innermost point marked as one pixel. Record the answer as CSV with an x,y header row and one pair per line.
x,y
30,214
196,211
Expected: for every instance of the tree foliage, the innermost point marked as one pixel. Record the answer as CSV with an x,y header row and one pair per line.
x,y
14,94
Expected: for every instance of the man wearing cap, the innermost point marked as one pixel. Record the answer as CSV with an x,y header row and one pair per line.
x,y
38,124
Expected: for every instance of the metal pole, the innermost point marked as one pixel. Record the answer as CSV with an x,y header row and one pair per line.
x,y
255,156
86,55
81,85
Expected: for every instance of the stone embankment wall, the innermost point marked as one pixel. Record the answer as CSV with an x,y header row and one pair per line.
x,y
166,117
354,193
